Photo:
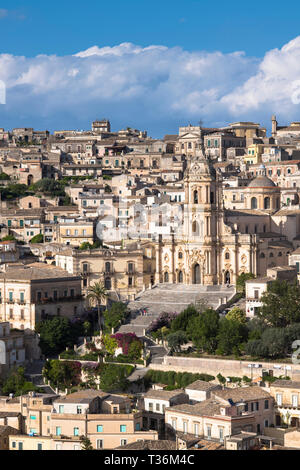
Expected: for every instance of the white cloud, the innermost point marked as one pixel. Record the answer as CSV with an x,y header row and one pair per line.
x,y
150,86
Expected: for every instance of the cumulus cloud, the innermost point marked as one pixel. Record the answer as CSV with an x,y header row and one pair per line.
x,y
150,87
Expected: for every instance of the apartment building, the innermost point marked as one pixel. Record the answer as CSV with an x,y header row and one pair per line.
x,y
227,412
30,293
200,390
57,423
12,348
255,288
125,270
286,394
75,231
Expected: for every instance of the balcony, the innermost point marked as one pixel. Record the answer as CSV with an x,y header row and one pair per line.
x,y
288,406
51,300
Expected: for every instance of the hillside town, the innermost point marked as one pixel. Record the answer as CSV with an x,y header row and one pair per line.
x,y
149,288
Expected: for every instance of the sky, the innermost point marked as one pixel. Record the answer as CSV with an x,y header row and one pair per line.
x,y
151,65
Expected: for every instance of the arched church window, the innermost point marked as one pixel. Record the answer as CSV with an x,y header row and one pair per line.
x,y
212,197
195,228
262,255
254,203
267,203
280,254
271,255
195,197
227,255
180,255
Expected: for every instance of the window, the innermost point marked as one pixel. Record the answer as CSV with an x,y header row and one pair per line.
x,y
279,399
123,428
208,431
137,427
266,404
20,446
61,409
157,407
196,429
123,442
99,444
221,434
266,423
76,447
58,431
79,410
58,447
100,428
185,427
14,444
32,417
295,400
76,432
40,447
10,296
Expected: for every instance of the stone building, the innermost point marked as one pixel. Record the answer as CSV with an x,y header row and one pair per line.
x,y
30,293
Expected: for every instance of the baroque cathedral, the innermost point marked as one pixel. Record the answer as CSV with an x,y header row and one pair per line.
x,y
216,244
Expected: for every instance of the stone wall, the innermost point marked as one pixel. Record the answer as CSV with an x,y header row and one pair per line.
x,y
227,367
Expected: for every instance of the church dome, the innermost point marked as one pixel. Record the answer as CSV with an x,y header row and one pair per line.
x,y
261,182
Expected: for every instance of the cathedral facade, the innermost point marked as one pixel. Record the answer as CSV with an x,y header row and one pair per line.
x,y
215,245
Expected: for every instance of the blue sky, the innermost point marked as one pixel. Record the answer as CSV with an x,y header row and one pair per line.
x,y
198,74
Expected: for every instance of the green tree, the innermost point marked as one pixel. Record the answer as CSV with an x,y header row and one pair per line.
x,y
280,304
110,344
37,239
182,320
98,294
176,340
85,443
9,238
56,334
115,315
85,246
231,336
203,329
17,384
241,282
135,350
221,379
4,177
237,314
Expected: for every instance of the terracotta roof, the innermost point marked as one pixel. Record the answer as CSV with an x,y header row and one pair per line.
x,y
84,396
201,385
163,394
285,384
35,271
149,445
241,394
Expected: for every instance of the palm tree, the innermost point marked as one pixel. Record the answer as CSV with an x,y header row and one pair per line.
x,y
97,294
